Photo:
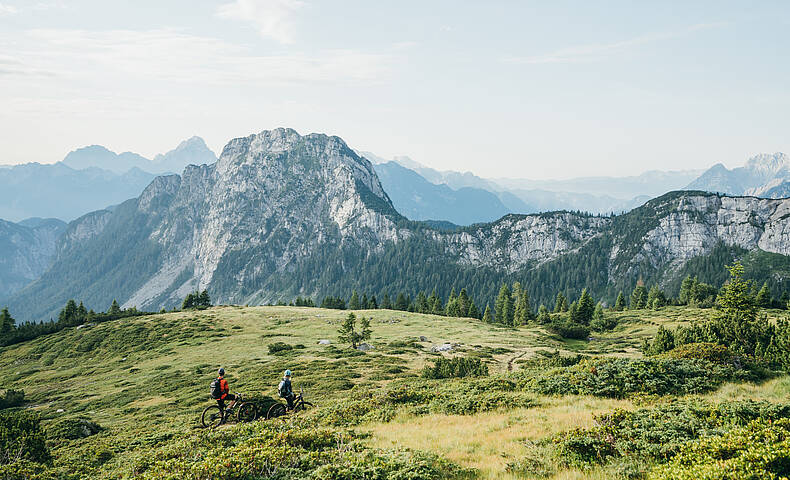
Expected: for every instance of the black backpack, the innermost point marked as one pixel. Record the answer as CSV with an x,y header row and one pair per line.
x,y
215,389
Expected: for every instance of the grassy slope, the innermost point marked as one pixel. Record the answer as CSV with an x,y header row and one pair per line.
x,y
147,378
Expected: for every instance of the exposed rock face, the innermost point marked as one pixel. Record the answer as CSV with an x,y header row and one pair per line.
x,y
759,171
281,214
26,250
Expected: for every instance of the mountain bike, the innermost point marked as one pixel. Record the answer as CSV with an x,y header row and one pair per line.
x,y
279,409
213,416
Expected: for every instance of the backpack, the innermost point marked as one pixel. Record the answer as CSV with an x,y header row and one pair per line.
x,y
215,389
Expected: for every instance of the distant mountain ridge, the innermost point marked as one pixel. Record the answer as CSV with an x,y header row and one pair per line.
x,y
751,179
190,151
281,214
27,249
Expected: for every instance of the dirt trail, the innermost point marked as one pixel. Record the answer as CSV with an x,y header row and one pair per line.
x,y
510,362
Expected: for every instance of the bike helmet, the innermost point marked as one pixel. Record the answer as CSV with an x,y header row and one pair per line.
x,y
221,372
287,373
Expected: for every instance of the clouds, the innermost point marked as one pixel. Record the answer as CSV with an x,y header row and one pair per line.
x,y
274,19
6,9
600,51
177,57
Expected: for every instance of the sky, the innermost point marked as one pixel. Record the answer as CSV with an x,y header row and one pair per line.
x,y
524,89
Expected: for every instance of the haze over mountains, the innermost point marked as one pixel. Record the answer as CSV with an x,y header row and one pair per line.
x,y
280,215
764,175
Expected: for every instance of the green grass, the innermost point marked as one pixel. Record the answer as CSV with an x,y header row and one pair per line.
x,y
145,380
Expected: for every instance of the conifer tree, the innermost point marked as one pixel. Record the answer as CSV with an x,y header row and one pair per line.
x,y
473,311
353,302
639,297
487,315
619,304
464,302
763,299
348,332
686,287
543,314
203,300
364,302
372,304
656,298
386,303
402,302
7,325
422,303
585,308
503,308
561,305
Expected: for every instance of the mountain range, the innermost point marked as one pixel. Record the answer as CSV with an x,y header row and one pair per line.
x,y
280,215
88,179
763,175
28,248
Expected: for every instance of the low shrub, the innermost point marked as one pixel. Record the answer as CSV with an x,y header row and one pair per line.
x,y
760,450
12,398
568,329
657,434
553,359
278,348
711,352
619,377
72,429
22,438
457,367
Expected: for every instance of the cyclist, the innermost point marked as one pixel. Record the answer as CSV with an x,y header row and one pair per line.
x,y
225,390
285,390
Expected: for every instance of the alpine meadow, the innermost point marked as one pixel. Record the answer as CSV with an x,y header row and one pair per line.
x,y
581,272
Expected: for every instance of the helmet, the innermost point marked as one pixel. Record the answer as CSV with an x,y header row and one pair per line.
x,y
221,371
287,373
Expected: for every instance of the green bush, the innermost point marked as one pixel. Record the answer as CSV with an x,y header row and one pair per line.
x,y
72,429
21,438
278,348
761,450
659,433
568,329
710,352
12,398
457,367
619,377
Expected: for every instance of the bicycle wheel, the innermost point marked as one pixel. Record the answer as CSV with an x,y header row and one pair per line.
x,y
303,406
212,416
247,412
276,410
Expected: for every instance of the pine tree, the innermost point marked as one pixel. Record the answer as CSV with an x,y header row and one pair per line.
x,y
473,311
422,303
353,302
366,330
386,303
487,315
686,287
543,314
203,300
503,309
372,304
7,325
763,299
522,309
364,302
619,304
189,302
639,297
82,312
402,302
464,302
561,305
585,308
656,298
347,332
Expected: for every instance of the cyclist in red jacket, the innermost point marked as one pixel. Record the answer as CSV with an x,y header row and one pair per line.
x,y
225,389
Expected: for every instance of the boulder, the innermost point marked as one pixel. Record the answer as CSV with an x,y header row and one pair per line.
x,y
364,347
324,342
445,347
423,338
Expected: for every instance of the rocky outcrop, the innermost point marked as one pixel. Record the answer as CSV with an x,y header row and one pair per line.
x,y
26,250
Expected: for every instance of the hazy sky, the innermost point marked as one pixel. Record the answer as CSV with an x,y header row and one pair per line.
x,y
547,89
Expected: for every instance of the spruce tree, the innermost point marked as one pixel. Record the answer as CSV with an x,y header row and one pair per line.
x,y
7,325
561,305
353,302
639,297
585,308
204,300
487,315
503,308
372,304
543,315
763,299
619,304
402,302
656,298
464,302
473,311
686,287
386,303
422,303
364,302
347,331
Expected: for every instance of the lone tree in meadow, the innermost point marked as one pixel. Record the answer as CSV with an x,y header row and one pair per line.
x,y
348,332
